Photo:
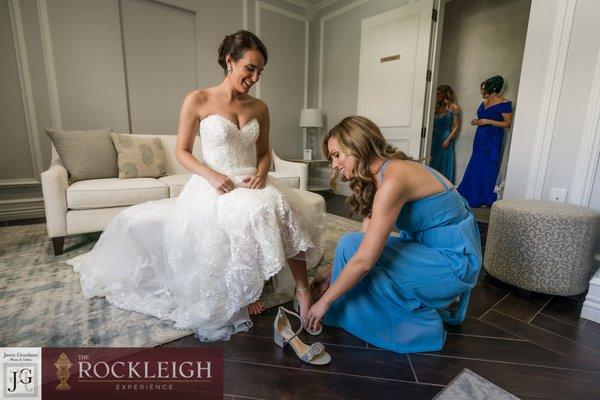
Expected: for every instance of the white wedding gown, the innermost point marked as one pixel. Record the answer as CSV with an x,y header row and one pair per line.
x,y
200,259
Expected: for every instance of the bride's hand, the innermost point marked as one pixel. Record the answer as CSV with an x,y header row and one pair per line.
x,y
221,182
255,181
316,313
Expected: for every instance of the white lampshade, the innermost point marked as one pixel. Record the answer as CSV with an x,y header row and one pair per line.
x,y
311,118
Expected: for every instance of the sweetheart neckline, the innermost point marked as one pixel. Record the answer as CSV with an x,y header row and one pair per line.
x,y
230,121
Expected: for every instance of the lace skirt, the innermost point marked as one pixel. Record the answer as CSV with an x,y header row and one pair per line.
x,y
200,259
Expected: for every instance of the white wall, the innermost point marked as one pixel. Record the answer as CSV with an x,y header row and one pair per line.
x,y
126,65
557,119
69,72
334,73
285,78
12,113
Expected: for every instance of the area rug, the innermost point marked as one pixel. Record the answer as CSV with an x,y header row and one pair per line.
x,y
42,304
469,386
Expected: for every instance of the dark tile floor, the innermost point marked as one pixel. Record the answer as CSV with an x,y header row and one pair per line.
x,y
533,345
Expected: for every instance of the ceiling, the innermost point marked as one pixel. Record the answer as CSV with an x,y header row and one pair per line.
x,y
312,4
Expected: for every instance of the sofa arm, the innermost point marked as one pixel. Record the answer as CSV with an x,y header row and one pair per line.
x,y
54,188
292,168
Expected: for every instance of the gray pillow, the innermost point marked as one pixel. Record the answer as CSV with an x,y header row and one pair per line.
x,y
86,154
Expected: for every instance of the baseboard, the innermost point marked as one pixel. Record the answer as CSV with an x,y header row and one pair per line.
x,y
22,209
591,305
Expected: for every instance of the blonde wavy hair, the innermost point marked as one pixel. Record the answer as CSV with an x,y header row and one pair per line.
x,y
360,138
448,96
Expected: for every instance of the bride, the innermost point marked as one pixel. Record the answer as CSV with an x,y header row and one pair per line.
x,y
201,259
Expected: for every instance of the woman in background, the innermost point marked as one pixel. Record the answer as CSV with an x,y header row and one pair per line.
x,y
445,130
493,115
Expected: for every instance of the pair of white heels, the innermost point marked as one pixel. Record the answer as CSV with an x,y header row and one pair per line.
x,y
283,335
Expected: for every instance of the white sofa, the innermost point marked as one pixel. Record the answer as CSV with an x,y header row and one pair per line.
x,y
89,205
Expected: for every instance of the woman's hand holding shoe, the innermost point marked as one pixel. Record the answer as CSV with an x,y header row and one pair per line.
x,y
316,313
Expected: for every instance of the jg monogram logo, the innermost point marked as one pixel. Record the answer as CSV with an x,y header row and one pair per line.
x,y
20,379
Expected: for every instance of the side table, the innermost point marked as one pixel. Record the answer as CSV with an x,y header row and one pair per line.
x,y
310,163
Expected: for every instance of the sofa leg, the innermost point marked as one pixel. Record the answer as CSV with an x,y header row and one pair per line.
x,y
58,244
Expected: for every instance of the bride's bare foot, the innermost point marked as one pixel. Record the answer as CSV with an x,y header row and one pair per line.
x,y
256,308
321,283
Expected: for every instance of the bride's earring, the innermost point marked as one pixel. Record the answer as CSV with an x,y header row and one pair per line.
x,y
229,69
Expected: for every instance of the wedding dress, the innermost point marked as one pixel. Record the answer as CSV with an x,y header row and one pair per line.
x,y
200,259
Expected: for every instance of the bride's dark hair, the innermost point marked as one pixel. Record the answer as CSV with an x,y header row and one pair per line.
x,y
236,45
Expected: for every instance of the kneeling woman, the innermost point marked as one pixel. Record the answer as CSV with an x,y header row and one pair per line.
x,y
395,291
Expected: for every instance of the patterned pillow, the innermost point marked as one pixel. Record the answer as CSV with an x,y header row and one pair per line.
x,y
139,157
86,154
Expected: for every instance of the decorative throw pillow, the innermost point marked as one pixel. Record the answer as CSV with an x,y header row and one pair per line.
x,y
86,154
139,157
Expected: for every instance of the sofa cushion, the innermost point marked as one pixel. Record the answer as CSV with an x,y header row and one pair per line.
x,y
86,154
139,157
314,199
175,182
290,180
114,192
92,220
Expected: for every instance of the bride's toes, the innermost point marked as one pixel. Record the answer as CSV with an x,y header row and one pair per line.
x,y
256,308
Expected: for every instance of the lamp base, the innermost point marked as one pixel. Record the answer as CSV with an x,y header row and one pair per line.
x,y
307,155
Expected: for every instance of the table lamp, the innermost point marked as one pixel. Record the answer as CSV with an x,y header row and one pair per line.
x,y
310,118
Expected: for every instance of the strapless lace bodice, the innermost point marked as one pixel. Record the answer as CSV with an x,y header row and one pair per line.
x,y
227,148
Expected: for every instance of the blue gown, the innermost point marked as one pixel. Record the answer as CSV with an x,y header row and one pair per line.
x,y
442,160
401,304
480,177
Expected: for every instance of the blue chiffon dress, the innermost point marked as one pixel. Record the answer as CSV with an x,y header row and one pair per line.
x,y
480,177
401,304
442,160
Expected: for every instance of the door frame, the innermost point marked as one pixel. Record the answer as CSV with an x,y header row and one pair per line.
x,y
435,46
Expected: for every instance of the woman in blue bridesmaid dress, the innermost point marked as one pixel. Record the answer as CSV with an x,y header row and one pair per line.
x,y
445,130
493,115
392,291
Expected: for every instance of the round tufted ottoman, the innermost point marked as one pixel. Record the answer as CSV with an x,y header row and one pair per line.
x,y
542,246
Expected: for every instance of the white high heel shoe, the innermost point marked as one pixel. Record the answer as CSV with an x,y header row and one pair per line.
x,y
297,308
283,335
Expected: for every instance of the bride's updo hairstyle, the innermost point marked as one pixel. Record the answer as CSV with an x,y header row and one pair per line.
x,y
236,45
360,138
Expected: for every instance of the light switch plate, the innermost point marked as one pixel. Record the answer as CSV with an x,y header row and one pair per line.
x,y
558,194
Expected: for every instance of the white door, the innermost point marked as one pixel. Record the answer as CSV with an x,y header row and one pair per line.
x,y
394,55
